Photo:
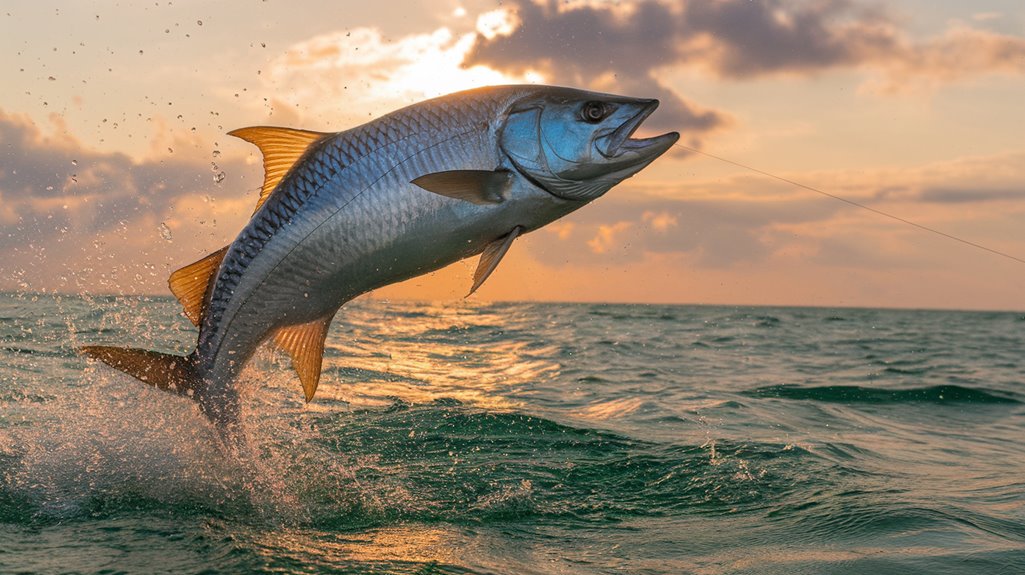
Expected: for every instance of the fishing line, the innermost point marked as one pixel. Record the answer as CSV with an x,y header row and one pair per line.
x,y
855,204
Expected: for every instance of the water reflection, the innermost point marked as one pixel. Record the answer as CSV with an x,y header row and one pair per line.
x,y
472,354
403,544
613,408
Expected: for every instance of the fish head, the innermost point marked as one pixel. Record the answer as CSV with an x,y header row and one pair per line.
x,y
576,144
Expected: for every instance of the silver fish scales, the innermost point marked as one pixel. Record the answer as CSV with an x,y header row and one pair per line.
x,y
413,191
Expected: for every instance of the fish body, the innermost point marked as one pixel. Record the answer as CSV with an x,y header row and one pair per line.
x,y
411,192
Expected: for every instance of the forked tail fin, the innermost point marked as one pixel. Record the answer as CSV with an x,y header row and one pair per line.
x,y
176,374
173,373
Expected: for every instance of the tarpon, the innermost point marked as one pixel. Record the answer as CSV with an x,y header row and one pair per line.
x,y
344,213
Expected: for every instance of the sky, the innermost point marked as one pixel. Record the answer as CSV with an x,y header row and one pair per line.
x,y
115,166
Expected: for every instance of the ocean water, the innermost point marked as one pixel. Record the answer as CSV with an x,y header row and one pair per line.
x,y
466,437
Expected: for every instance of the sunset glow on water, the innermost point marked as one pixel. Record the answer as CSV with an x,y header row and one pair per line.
x,y
711,369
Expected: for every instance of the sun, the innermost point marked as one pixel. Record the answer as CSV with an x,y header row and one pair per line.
x,y
362,72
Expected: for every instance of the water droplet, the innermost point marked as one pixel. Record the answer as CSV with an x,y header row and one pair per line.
x,y
219,177
74,162
216,153
165,232
199,22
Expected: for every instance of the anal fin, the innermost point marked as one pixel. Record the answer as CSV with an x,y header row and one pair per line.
x,y
191,283
305,344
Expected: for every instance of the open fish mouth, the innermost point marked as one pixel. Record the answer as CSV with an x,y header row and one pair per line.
x,y
618,142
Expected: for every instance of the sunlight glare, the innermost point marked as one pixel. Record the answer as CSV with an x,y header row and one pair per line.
x,y
371,74
499,22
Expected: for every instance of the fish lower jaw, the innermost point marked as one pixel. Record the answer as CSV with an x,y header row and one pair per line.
x,y
638,144
612,144
643,150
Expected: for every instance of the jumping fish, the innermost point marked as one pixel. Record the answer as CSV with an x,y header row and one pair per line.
x,y
343,213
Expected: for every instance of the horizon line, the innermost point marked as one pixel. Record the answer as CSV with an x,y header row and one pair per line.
x,y
369,296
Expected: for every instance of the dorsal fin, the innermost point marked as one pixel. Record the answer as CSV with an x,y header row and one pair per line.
x,y
305,343
281,149
490,257
191,283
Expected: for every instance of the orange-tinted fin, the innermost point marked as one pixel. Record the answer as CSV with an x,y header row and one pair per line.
x,y
164,371
281,149
305,343
475,186
490,257
191,283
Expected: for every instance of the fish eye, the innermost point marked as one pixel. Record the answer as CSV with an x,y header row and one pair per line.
x,y
593,112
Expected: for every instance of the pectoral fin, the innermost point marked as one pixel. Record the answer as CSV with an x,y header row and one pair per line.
x,y
475,186
191,283
490,257
305,343
281,149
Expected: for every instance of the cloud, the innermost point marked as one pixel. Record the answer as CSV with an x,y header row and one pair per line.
x,y
740,39
960,53
605,237
76,219
629,226
339,79
65,209
42,170
349,76
946,195
986,16
660,221
592,46
627,46
745,221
